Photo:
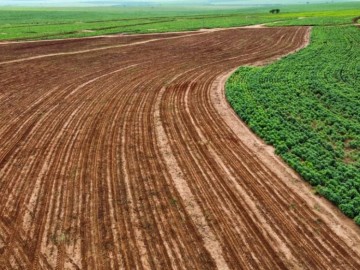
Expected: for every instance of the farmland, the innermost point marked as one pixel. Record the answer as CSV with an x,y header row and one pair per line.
x,y
51,23
307,106
113,158
121,151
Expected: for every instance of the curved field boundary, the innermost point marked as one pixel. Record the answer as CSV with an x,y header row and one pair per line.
x,y
125,158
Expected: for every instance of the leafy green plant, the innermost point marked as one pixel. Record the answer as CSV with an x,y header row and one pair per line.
x,y
307,106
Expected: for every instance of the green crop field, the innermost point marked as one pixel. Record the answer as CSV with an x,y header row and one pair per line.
x,y
50,23
307,105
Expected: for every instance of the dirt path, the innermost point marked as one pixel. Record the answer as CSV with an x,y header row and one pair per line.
x,y
128,157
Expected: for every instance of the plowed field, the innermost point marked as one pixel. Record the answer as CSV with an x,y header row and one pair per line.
x,y
122,152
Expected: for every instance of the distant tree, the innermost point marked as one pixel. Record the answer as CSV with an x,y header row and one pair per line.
x,y
275,11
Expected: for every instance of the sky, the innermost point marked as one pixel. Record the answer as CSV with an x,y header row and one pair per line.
x,y
121,2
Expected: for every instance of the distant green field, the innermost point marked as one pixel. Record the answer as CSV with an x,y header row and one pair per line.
x,y
49,23
307,106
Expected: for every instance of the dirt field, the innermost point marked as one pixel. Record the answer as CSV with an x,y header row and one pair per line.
x,y
123,153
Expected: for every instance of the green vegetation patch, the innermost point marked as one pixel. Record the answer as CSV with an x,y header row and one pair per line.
x,y
307,106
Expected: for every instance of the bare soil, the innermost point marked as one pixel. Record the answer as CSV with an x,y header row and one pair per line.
x,y
122,153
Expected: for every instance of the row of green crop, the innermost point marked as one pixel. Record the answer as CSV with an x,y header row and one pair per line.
x,y
307,105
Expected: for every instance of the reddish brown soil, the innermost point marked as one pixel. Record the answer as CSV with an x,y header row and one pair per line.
x,y
115,154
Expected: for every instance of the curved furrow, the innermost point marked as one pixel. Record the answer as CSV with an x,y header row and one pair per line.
x,y
215,171
65,118
229,236
247,175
